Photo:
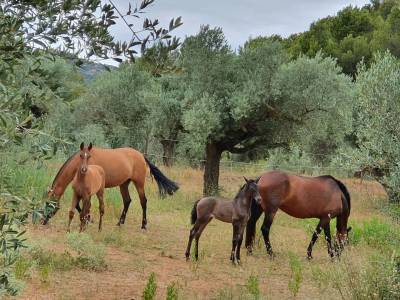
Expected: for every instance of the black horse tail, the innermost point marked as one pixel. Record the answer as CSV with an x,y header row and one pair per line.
x,y
165,185
345,192
193,215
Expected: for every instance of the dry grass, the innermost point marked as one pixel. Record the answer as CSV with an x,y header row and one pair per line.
x,y
132,254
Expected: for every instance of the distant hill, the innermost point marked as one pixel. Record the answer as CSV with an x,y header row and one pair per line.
x,y
90,70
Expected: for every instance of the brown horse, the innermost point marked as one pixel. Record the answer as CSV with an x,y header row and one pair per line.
x,y
322,197
236,212
121,166
88,180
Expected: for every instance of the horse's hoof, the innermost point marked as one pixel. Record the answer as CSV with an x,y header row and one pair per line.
x,y
309,257
144,227
187,257
44,221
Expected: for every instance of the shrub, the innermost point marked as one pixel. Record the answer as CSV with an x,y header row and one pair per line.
x,y
296,274
253,287
172,291
150,289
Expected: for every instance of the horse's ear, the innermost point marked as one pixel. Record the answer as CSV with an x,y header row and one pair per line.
x,y
348,229
90,146
246,179
82,146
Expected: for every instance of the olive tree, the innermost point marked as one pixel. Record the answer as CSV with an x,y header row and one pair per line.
x,y
237,102
376,122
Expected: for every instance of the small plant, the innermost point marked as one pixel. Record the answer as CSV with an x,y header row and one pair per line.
x,y
56,261
296,274
172,291
253,287
44,273
90,255
150,290
21,267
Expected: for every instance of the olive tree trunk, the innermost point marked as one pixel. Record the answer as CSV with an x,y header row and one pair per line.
x,y
211,169
169,147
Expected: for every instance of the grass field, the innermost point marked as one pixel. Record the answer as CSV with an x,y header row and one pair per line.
x,y
118,262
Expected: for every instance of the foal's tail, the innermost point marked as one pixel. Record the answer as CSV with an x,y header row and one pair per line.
x,y
193,215
165,185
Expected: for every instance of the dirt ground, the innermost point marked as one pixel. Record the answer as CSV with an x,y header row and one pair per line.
x,y
134,253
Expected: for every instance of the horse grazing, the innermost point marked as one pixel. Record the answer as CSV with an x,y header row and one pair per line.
x,y
88,180
236,212
322,197
121,166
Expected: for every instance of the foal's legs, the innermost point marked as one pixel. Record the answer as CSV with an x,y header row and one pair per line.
x,y
124,189
195,232
314,238
239,245
256,212
143,203
265,228
235,239
75,201
100,196
86,204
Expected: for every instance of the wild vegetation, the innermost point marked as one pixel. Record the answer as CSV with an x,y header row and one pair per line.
x,y
322,101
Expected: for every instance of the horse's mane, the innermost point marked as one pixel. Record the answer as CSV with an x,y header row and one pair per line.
x,y
62,169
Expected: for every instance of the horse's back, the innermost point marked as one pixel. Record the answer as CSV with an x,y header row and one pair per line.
x,y
217,207
120,164
300,196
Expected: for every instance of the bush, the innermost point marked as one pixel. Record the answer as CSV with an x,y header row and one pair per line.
x,y
172,291
150,289
378,278
253,287
296,274
90,255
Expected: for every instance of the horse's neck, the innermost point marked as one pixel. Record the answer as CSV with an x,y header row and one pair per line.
x,y
243,200
65,176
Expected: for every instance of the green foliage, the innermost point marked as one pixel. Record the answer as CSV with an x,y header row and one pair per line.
x,y
253,287
51,260
296,274
150,290
172,291
90,255
378,278
376,112
352,36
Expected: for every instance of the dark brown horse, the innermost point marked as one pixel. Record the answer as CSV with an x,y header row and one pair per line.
x,y
322,197
236,212
88,181
121,166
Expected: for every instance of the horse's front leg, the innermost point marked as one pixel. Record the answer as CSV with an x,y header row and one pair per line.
x,y
239,245
75,200
235,239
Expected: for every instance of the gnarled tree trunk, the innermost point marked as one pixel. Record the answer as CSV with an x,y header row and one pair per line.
x,y
211,170
168,152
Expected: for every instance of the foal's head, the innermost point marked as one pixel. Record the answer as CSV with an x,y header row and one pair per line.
x,y
250,190
84,155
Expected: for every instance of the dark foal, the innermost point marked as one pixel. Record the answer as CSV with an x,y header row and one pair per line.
x,y
236,211
322,197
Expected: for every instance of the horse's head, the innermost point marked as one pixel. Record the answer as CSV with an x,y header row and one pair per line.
x,y
84,156
251,189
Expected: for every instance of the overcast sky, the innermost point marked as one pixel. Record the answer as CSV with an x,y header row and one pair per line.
x,y
239,19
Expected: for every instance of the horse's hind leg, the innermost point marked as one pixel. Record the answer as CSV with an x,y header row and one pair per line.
x,y
327,231
314,238
100,196
143,203
124,189
195,232
265,229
